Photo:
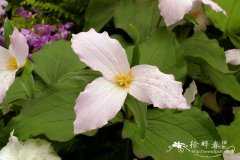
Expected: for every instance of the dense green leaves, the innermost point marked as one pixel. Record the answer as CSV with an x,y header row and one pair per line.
x,y
55,60
50,112
225,83
164,128
137,17
99,12
161,49
230,133
200,46
229,22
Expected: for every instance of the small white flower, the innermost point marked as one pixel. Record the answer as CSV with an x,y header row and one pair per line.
x,y
11,60
103,98
32,149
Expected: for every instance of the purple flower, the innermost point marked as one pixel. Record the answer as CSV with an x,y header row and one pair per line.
x,y
43,29
24,13
3,4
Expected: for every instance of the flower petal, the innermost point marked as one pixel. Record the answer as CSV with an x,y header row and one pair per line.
x,y
98,103
18,47
37,149
152,86
6,80
229,155
174,10
233,56
10,151
101,53
213,5
190,93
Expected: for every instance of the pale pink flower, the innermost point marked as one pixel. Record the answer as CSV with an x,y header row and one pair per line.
x,y
233,56
174,10
11,60
103,98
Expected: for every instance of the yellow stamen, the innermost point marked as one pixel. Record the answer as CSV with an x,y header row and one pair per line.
x,y
196,14
124,80
12,63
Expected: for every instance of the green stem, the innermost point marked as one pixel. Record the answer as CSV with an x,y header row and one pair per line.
x,y
126,152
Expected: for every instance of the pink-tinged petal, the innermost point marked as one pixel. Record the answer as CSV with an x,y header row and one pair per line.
x,y
213,5
154,87
6,80
233,56
99,102
3,50
101,53
18,47
174,10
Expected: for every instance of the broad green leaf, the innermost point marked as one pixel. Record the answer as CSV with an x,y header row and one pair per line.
x,y
164,128
231,133
139,110
137,17
200,46
8,29
50,113
161,49
225,83
54,60
229,23
99,12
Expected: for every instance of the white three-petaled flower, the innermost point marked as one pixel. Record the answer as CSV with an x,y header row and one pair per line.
x,y
174,10
32,149
11,60
103,98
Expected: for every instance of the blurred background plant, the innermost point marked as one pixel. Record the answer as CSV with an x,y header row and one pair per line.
x,y
44,21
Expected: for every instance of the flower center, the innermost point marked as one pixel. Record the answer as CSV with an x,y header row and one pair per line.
x,y
12,63
196,14
124,80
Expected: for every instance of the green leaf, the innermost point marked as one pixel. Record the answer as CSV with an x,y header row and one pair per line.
x,y
50,111
99,12
231,133
54,60
8,29
164,128
225,83
137,17
200,46
139,110
161,49
231,22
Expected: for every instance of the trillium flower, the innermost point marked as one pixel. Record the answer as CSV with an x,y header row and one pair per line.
x,y
233,56
200,17
103,98
11,60
174,10
32,149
